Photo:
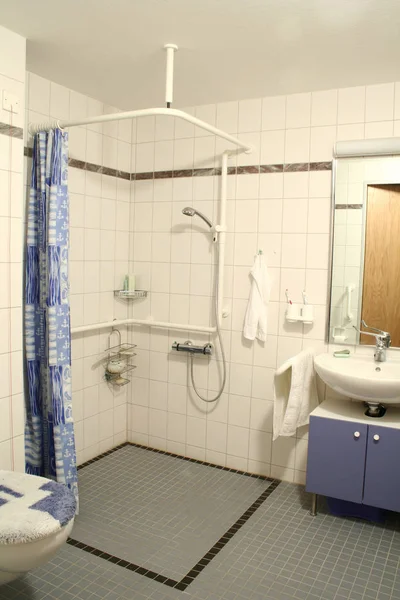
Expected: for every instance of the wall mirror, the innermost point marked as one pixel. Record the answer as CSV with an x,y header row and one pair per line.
x,y
365,279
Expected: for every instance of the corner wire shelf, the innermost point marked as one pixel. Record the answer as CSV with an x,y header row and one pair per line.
x,y
130,294
121,352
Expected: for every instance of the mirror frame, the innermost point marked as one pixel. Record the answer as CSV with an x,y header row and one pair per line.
x,y
366,184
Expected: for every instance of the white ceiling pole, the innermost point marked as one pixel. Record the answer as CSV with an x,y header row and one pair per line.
x,y
169,77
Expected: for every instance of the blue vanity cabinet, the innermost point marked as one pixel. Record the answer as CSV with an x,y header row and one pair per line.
x,y
382,469
336,458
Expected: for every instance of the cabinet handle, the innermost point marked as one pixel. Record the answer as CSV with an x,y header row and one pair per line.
x,y
356,434
376,437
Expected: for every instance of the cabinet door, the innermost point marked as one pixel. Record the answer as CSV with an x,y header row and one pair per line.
x,y
382,471
336,458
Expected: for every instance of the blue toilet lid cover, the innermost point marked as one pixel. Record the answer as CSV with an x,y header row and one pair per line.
x,y
32,508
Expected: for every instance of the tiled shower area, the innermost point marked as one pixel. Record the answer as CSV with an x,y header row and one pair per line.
x,y
156,526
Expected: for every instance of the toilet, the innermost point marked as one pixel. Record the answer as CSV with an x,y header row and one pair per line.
x,y
36,518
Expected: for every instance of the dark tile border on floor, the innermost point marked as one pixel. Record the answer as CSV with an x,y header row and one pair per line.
x,y
214,550
178,456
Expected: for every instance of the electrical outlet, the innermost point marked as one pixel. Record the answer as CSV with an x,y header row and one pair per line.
x,y
10,102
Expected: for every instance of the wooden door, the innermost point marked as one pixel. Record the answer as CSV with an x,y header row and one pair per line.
x,y
381,285
336,458
382,476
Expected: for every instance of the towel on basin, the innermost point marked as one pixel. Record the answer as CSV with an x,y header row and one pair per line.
x,y
295,394
255,322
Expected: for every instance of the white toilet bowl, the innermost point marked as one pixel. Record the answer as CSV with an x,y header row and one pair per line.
x,y
36,518
17,559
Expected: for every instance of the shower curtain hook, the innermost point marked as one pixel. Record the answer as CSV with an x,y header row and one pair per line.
x,y
59,126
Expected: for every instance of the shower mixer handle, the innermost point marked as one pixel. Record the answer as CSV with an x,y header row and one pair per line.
x,y
189,347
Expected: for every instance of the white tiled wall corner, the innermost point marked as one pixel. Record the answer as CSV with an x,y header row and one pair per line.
x,y
12,79
288,216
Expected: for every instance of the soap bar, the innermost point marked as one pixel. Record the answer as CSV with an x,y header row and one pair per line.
x,y
342,353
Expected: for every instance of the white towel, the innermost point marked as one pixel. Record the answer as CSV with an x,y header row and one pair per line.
x,y
255,322
295,394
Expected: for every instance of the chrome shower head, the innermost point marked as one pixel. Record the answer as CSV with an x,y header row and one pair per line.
x,y
188,211
191,212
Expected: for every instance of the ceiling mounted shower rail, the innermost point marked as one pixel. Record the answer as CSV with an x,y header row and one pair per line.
x,y
146,112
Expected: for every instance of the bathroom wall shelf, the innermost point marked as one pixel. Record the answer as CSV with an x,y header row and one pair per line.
x,y
128,294
300,319
117,360
303,313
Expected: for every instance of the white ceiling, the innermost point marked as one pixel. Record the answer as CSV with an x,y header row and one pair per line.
x,y
229,49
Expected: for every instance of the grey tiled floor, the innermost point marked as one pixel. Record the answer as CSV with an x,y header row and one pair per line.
x,y
157,511
281,553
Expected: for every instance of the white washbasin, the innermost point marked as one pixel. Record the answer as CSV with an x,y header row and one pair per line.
x,y
360,377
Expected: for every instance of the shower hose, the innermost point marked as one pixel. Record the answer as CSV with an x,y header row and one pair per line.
x,y
221,343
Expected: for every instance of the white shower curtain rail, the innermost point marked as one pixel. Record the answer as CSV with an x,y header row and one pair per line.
x,y
146,322
146,112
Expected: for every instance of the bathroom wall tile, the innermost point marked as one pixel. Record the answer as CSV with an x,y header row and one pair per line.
x,y
296,185
324,107
270,216
294,246
379,102
351,105
249,115
295,215
318,251
260,446
196,432
216,439
145,129
271,185
283,452
297,145
39,94
380,129
238,442
59,101
176,427
298,110
321,143
273,113
319,215
272,147
239,411
227,116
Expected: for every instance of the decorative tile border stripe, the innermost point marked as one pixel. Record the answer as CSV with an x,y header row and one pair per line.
x,y
93,168
209,556
240,170
179,456
146,175
348,206
11,131
87,166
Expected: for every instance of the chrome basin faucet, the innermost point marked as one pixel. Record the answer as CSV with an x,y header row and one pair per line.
x,y
382,339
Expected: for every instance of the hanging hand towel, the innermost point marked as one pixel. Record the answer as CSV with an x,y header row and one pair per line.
x,y
295,394
255,322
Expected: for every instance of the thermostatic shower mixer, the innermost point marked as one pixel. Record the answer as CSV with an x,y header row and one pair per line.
x,y
189,347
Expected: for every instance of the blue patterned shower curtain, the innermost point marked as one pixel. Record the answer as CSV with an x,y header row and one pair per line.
x,y
49,435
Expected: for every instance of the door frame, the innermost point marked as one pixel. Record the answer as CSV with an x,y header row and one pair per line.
x,y
366,185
